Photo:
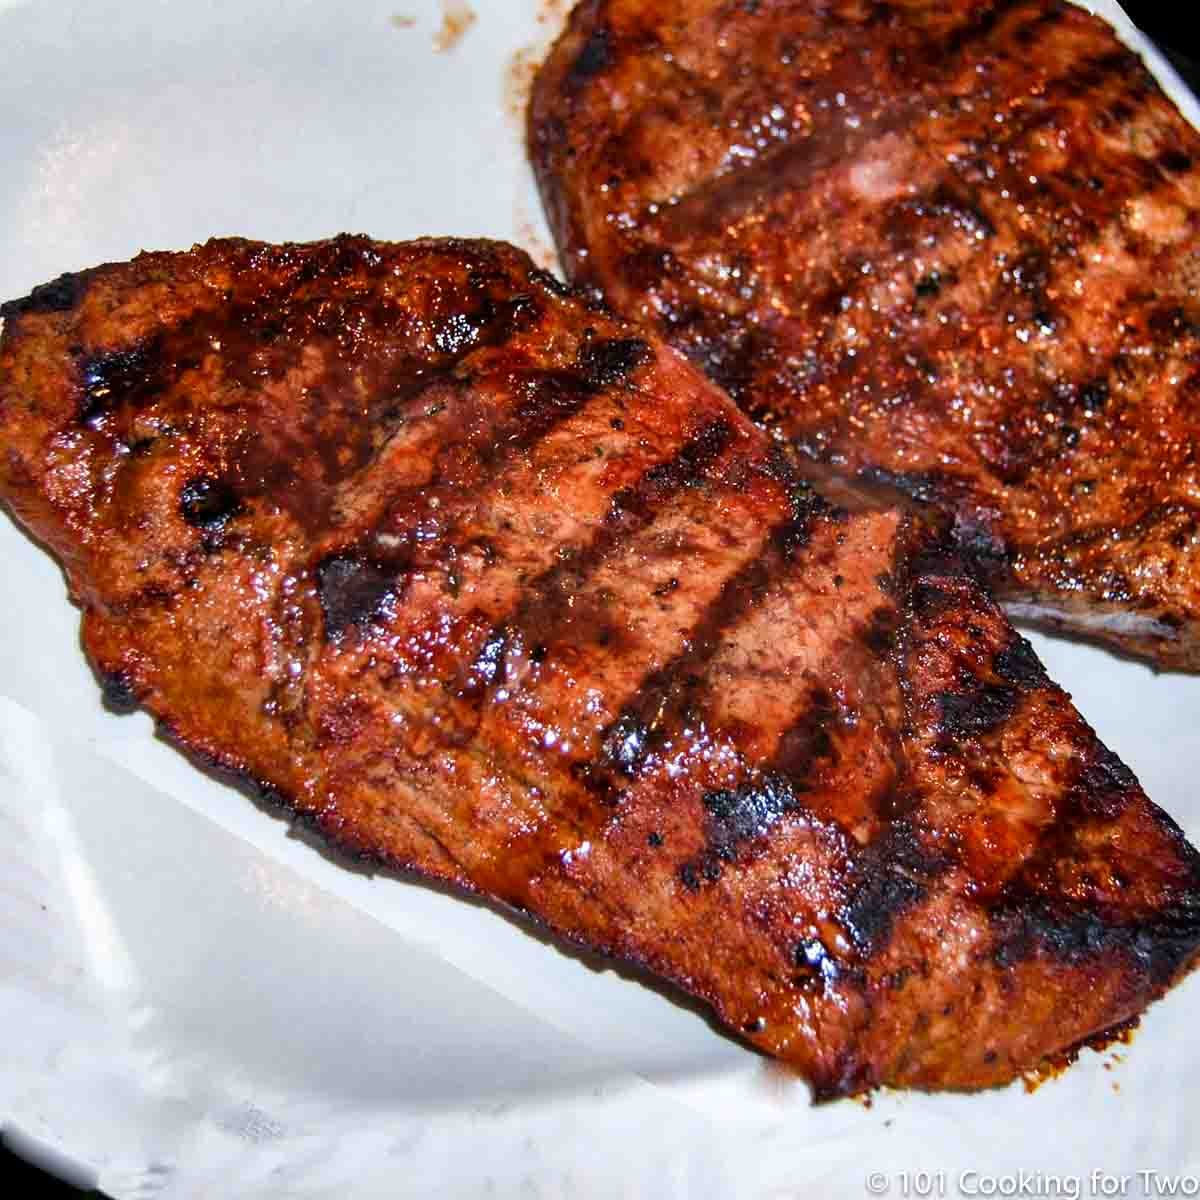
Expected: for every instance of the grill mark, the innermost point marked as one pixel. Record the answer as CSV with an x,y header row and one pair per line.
x,y
1049,254
1159,945
628,743
777,788
544,401
890,876
940,195
546,602
713,203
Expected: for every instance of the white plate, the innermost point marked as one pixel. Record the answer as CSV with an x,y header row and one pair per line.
x,y
195,1003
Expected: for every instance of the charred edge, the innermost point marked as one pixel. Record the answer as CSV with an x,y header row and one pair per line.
x,y
984,549
1019,665
1158,948
631,509
595,56
353,591
604,364
59,295
109,379
629,741
1102,787
208,503
890,876
118,692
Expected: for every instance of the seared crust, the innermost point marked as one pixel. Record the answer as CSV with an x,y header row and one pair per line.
x,y
953,246
490,587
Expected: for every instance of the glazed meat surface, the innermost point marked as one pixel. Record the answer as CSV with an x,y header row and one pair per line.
x,y
489,586
950,245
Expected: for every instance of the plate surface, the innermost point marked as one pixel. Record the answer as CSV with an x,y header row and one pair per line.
x,y
198,1003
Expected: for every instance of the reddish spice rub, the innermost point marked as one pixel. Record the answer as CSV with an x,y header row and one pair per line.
x,y
950,246
488,585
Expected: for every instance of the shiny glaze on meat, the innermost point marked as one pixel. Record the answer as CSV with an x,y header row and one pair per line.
x,y
954,246
486,585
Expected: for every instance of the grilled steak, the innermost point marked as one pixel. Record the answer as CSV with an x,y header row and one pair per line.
x,y
955,246
488,586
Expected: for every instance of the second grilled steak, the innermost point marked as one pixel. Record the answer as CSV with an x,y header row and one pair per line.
x,y
955,246
488,586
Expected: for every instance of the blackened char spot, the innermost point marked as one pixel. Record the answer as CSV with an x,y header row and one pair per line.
x,y
736,815
975,712
606,363
978,29
58,295
118,692
353,591
110,378
597,53
880,632
1019,664
916,485
891,875
985,549
208,503
1174,160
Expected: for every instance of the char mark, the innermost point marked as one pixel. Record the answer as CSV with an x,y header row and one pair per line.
x,y
208,503
354,591
733,816
628,743
976,711
807,741
890,876
546,604
595,56
983,24
118,692
1157,947
550,283
59,295
111,378
491,323
1019,665
607,363
751,810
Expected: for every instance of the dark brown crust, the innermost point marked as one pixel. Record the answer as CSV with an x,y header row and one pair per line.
x,y
954,246
488,586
